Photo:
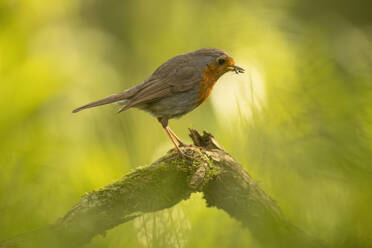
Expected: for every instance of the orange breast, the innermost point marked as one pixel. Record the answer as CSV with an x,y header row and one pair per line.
x,y
209,79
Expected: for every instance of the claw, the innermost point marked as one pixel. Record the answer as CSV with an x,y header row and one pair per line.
x,y
183,155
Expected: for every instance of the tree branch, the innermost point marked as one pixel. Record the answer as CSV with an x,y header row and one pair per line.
x,y
163,184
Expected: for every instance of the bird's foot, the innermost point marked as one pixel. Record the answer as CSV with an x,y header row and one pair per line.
x,y
184,155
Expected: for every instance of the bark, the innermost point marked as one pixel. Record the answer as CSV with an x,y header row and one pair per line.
x,y
223,181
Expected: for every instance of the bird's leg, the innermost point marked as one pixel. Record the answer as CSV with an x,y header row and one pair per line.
x,y
174,143
178,139
164,123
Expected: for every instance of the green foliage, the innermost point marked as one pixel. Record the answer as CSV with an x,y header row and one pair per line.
x,y
300,119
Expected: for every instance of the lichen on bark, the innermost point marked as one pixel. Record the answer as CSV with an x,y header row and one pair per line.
x,y
166,182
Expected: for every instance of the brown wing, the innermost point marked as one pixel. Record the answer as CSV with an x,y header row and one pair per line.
x,y
127,94
175,75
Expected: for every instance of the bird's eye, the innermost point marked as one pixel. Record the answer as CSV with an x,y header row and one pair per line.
x,y
221,61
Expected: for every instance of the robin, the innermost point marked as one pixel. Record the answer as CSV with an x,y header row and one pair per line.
x,y
175,88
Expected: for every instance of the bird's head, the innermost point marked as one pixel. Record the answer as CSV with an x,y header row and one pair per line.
x,y
215,61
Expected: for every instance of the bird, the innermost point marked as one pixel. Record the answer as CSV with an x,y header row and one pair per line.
x,y
175,88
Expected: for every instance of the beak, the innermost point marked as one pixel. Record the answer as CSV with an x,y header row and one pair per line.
x,y
236,68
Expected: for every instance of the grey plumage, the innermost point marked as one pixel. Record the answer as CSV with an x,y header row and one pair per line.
x,y
179,74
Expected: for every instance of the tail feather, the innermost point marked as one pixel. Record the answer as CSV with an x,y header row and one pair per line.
x,y
106,100
125,107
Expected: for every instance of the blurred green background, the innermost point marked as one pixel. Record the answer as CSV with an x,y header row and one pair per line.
x,y
299,120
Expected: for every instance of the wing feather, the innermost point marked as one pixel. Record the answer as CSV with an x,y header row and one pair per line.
x,y
175,75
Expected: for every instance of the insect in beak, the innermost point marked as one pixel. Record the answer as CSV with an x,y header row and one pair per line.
x,y
236,69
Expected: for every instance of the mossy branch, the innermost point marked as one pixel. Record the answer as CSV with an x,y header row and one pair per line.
x,y
163,184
